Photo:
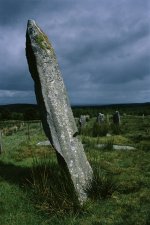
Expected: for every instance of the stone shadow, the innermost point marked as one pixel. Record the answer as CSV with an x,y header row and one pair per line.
x,y
14,174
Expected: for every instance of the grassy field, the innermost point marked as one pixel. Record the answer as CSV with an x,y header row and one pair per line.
x,y
34,191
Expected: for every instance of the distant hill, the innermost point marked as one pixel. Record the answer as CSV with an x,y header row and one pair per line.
x,y
21,107
93,110
129,108
19,112
18,108
110,105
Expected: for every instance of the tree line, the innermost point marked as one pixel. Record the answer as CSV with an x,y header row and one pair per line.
x,y
31,112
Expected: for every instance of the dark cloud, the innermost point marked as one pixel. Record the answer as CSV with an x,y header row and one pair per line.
x,y
16,80
12,12
102,48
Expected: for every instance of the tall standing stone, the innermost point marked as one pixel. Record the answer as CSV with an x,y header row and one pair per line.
x,y
57,118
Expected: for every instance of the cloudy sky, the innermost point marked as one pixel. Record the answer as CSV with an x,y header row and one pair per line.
x,y
102,46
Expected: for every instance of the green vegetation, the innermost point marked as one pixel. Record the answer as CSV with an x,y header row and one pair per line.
x,y
33,189
19,112
40,41
43,42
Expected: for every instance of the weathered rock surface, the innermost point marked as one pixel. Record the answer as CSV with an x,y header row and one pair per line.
x,y
117,147
58,121
43,143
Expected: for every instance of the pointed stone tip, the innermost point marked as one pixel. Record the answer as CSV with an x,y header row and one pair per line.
x,y
31,23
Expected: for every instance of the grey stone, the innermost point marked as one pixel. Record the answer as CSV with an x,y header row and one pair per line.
x,y
100,118
43,143
82,120
123,147
116,118
108,135
117,147
57,118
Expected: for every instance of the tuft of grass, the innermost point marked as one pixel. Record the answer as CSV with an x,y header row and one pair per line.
x,y
52,189
103,184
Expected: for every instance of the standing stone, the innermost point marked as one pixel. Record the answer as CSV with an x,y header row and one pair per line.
x,y
57,118
116,118
82,120
100,118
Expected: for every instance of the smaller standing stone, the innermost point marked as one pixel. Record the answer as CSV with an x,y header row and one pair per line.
x,y
82,120
116,118
100,118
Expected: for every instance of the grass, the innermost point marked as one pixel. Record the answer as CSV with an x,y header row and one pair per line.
x,y
14,206
103,184
33,189
53,187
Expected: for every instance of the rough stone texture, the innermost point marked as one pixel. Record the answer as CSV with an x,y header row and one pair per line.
x,y
43,143
58,121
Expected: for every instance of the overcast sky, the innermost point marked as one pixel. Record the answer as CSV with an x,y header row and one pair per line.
x,y
102,46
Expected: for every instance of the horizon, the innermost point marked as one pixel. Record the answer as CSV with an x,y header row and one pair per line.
x,y
81,105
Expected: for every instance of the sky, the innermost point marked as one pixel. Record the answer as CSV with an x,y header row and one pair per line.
x,y
102,47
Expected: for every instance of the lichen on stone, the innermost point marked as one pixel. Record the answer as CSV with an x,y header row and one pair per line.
x,y
40,41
